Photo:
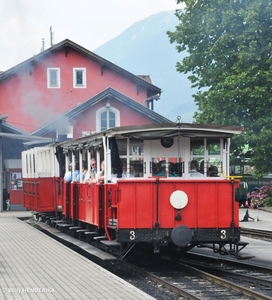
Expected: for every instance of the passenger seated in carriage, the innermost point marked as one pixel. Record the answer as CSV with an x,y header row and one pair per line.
x,y
92,173
82,175
194,170
72,174
213,171
162,169
100,175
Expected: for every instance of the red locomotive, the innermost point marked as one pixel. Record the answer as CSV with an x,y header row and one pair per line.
x,y
164,185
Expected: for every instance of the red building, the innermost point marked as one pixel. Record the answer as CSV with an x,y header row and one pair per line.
x,y
67,91
61,78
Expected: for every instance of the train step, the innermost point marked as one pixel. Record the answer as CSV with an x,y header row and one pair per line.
x,y
75,227
242,243
63,225
58,221
93,251
100,238
91,233
82,230
111,243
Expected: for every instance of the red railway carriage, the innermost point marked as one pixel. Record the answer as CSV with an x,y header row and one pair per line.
x,y
164,185
42,187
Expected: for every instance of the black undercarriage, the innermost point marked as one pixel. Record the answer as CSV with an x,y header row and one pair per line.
x,y
221,240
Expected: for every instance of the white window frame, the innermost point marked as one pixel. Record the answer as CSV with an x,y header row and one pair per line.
x,y
103,109
84,84
54,86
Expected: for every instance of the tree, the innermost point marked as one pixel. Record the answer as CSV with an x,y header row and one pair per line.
x,y
229,46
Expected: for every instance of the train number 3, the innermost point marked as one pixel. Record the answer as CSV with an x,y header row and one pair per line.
x,y
223,235
132,235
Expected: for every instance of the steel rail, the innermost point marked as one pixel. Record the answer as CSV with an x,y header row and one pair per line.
x,y
240,276
225,283
256,232
159,280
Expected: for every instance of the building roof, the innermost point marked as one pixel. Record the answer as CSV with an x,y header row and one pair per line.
x,y
11,132
108,92
146,78
8,128
66,45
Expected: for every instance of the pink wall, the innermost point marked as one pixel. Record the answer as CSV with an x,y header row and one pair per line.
x,y
30,104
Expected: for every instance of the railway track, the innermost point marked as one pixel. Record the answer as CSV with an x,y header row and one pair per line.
x,y
256,233
252,277
189,282
195,280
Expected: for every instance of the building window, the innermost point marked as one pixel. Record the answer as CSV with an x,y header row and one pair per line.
x,y
79,77
53,78
107,118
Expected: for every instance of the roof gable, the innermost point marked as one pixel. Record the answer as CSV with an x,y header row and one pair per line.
x,y
109,92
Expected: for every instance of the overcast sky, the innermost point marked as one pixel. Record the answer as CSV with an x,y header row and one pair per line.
x,y
90,23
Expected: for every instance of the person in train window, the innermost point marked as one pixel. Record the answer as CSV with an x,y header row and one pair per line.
x,y
93,166
162,170
194,172
213,171
70,174
83,173
99,175
125,173
92,173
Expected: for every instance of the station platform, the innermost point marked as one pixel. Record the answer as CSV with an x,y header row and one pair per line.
x,y
35,266
260,219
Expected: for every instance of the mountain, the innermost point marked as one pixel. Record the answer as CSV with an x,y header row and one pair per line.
x,y
144,49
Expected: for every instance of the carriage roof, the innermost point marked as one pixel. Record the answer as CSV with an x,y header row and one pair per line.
x,y
158,131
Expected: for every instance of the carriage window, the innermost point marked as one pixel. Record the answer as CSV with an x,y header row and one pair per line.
x,y
197,147
136,167
213,146
214,167
158,166
131,155
235,170
166,166
136,148
199,164
240,167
